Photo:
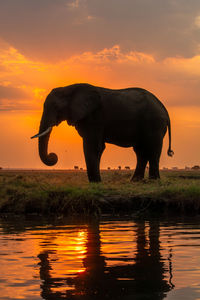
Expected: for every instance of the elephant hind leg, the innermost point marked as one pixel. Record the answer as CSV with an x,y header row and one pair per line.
x,y
140,167
154,169
154,159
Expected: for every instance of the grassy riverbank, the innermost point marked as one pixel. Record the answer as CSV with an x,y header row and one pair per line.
x,y
68,192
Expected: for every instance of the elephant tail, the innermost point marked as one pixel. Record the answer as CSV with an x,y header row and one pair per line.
x,y
170,152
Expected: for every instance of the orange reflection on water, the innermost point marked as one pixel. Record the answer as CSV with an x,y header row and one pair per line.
x,y
183,242
66,252
110,259
19,269
46,256
118,242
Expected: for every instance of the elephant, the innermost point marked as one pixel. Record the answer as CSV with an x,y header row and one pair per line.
x,y
130,117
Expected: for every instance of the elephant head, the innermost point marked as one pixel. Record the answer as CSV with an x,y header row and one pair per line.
x,y
72,103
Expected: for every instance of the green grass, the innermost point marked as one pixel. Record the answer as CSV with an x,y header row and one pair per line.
x,y
69,193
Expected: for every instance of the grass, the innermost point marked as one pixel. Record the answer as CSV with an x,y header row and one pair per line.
x,y
69,193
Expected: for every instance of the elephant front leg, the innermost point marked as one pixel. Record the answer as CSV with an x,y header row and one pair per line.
x,y
93,152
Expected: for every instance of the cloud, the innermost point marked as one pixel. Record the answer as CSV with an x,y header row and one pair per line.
x,y
45,30
175,79
73,4
197,21
113,54
9,92
14,98
11,59
25,83
153,26
52,30
16,66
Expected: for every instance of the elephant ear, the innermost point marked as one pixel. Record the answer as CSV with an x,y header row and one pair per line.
x,y
84,101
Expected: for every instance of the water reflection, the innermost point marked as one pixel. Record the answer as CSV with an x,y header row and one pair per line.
x,y
143,275
121,259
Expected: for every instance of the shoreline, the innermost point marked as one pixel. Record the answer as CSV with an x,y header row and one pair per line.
x,y
69,193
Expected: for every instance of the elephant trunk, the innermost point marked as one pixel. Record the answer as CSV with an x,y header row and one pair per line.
x,y
51,158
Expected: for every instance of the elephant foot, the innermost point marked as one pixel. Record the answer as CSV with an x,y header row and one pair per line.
x,y
94,178
154,177
135,178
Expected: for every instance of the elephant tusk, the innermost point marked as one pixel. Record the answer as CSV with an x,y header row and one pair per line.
x,y
42,134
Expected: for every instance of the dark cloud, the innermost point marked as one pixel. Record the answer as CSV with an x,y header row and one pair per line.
x,y
50,29
12,98
165,28
9,92
2,68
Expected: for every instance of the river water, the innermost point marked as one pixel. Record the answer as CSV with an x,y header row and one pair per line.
x,y
107,259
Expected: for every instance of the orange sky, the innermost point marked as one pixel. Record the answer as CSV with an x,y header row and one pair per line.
x,y
99,49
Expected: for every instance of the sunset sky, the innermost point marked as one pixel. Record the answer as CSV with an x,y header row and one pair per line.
x,y
153,44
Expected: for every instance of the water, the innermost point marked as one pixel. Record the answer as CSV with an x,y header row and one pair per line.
x,y
107,259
